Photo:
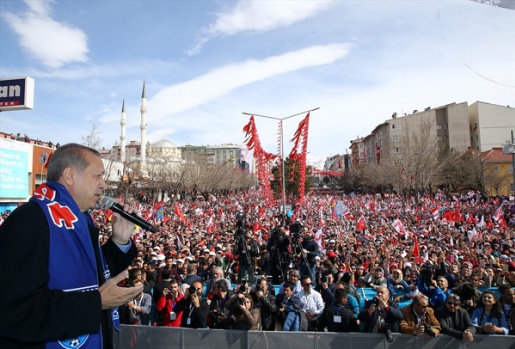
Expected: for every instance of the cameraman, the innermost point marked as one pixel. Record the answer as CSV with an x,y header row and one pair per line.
x,y
218,315
243,314
419,318
380,315
309,253
169,297
265,302
192,307
246,249
278,246
137,311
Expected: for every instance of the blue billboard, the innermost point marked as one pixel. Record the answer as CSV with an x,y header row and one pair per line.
x,y
14,170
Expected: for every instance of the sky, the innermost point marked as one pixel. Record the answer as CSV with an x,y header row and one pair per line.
x,y
205,63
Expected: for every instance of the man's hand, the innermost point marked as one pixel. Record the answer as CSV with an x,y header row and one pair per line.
x,y
122,228
419,329
113,295
195,300
467,336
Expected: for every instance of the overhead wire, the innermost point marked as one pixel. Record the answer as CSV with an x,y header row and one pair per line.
x,y
460,59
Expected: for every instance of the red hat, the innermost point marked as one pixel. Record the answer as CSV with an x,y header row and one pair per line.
x,y
331,254
228,255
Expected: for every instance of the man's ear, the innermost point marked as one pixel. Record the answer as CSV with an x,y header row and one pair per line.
x,y
68,175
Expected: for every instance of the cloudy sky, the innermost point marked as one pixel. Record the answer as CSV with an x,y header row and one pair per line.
x,y
207,62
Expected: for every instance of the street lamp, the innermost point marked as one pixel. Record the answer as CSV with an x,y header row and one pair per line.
x,y
509,148
282,147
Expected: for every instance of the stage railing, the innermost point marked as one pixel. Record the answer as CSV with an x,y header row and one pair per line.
x,y
144,337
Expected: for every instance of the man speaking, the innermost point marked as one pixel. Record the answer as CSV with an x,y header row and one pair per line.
x,y
61,289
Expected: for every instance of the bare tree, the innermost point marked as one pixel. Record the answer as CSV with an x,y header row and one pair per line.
x,y
92,139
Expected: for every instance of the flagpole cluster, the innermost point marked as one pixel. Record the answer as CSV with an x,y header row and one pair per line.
x,y
301,137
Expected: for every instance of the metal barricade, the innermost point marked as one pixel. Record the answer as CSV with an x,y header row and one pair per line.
x,y
146,337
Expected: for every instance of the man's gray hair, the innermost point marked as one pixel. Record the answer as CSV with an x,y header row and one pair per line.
x,y
68,155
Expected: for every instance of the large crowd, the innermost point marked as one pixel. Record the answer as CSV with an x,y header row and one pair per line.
x,y
372,263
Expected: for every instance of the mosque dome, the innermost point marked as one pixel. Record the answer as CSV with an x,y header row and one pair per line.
x,y
164,143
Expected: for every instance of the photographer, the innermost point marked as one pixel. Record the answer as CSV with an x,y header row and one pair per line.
x,y
218,314
137,310
278,246
381,315
419,318
166,303
265,302
309,252
243,314
246,250
193,309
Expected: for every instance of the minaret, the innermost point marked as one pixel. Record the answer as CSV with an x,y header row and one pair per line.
x,y
143,127
122,137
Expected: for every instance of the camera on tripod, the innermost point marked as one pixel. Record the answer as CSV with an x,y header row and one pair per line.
x,y
240,220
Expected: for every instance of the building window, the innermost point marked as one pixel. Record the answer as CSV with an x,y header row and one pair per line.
x,y
438,126
496,169
396,138
396,150
396,127
510,169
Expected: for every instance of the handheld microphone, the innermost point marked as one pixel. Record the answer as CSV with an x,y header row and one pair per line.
x,y
108,203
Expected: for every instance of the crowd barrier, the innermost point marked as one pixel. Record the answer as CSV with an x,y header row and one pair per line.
x,y
145,337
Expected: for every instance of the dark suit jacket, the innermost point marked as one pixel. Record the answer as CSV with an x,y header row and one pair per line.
x,y
197,315
392,318
454,324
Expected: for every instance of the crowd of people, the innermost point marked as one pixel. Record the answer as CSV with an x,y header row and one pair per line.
x,y
423,265
437,264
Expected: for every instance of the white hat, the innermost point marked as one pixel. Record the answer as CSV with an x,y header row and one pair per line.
x,y
157,248
332,241
161,257
153,253
206,250
189,258
180,260
212,253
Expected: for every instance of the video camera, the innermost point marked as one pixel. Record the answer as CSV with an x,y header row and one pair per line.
x,y
240,224
240,220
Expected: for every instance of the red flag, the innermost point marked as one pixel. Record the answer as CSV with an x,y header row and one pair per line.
x,y
453,216
416,251
255,227
361,223
179,213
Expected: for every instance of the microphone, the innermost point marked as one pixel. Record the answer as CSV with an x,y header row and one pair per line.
x,y
108,203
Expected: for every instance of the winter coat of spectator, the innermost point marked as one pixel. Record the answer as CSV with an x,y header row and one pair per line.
x,y
419,318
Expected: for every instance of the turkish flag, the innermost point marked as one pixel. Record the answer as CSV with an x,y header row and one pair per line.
x,y
179,213
361,223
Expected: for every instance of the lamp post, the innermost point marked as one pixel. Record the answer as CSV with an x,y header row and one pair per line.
x,y
282,147
509,148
